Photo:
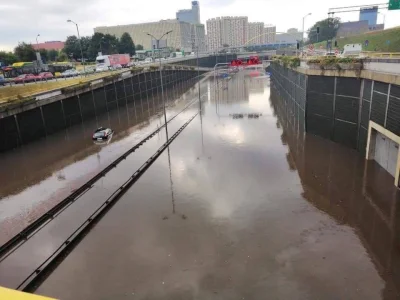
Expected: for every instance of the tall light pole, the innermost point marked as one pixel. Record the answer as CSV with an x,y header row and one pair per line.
x,y
38,57
161,77
80,43
101,49
384,18
302,36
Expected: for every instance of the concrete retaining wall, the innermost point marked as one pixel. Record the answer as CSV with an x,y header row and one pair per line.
x,y
339,108
209,61
52,116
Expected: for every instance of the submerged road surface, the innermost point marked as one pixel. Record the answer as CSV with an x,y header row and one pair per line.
x,y
241,205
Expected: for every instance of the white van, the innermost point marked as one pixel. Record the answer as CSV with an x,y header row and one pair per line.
x,y
352,50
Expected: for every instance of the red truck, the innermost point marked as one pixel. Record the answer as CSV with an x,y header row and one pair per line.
x,y
114,61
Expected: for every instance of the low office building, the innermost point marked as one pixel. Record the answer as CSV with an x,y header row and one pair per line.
x,y
179,38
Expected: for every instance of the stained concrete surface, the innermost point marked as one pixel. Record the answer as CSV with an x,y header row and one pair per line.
x,y
240,208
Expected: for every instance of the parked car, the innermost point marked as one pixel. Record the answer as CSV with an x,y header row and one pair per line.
x,y
70,73
102,133
102,68
3,81
24,78
116,67
45,76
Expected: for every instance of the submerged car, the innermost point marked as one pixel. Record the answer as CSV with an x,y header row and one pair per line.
x,y
102,134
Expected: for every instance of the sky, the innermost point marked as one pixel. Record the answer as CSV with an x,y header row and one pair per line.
x,y
23,20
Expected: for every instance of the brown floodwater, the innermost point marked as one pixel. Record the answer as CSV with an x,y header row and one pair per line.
x,y
239,206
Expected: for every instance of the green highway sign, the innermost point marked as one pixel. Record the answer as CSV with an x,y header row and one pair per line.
x,y
394,4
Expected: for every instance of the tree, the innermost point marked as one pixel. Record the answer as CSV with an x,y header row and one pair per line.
x,y
25,52
8,58
44,55
62,57
71,47
52,55
327,30
110,44
139,47
96,45
126,45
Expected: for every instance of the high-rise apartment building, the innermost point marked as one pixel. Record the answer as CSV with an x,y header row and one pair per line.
x,y
269,36
199,38
191,16
256,33
231,31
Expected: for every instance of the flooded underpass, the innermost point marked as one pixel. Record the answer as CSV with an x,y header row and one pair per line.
x,y
241,205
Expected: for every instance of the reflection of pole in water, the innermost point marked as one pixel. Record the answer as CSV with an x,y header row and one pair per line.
x,y
171,182
201,129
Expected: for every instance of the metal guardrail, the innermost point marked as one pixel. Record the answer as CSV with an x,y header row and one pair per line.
x,y
373,54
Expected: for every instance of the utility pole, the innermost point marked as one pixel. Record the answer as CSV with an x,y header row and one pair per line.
x,y
80,44
161,77
302,34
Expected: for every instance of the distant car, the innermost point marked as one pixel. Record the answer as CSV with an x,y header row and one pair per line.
x,y
331,54
2,81
70,73
102,133
45,76
102,68
116,67
24,78
148,60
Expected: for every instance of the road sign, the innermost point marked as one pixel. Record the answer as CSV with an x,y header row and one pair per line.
x,y
394,4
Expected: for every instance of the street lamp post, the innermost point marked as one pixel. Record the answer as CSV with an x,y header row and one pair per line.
x,y
38,56
80,43
302,34
101,48
161,77
384,19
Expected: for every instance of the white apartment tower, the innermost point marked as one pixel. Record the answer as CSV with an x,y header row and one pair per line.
x,y
256,33
269,34
231,31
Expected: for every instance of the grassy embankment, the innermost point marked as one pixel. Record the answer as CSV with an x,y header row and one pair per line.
x,y
377,41
20,92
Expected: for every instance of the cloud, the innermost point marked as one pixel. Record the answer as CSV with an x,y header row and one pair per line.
x,y
22,20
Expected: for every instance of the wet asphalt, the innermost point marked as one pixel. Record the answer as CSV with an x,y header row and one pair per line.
x,y
234,208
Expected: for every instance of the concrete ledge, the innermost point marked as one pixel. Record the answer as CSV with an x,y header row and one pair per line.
x,y
365,74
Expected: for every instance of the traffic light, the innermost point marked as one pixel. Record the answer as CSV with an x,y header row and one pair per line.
x,y
335,43
318,30
298,45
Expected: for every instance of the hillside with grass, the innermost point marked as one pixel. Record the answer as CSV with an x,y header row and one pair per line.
x,y
377,41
